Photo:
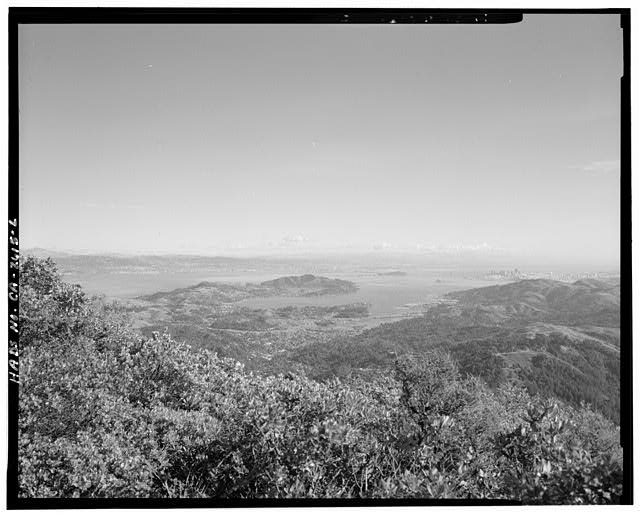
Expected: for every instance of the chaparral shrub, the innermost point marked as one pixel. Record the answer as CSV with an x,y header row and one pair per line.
x,y
106,412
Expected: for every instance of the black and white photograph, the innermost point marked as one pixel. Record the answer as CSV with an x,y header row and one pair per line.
x,y
352,257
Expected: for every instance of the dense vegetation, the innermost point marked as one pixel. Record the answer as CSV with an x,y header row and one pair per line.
x,y
107,412
552,365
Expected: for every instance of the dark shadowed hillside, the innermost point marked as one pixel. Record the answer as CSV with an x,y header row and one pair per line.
x,y
557,339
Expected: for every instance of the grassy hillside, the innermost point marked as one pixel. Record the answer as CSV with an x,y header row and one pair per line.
x,y
208,293
585,301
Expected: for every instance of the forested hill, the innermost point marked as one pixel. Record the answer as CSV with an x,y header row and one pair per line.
x,y
106,412
557,339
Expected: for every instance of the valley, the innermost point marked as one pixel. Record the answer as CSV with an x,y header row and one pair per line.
x,y
341,318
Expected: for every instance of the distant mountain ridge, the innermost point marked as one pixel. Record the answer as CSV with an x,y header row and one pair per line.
x,y
584,301
307,285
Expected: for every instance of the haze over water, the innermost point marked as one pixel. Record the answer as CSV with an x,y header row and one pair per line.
x,y
279,139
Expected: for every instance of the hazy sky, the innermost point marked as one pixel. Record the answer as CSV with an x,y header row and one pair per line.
x,y
158,137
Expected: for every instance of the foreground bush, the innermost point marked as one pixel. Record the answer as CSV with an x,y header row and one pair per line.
x,y
105,412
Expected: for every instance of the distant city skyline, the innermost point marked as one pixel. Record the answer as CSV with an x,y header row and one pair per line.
x,y
286,138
